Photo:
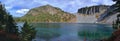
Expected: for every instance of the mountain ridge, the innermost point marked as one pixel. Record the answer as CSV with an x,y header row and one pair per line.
x,y
47,13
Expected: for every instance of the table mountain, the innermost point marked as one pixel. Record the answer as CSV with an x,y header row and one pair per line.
x,y
95,14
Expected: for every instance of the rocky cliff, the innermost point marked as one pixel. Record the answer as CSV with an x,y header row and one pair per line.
x,y
92,14
93,9
95,14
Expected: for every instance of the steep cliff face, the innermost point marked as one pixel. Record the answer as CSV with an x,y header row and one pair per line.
x,y
108,15
95,14
93,9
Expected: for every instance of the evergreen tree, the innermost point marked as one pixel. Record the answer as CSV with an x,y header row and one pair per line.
x,y
11,25
2,13
28,32
117,9
117,5
7,26
6,21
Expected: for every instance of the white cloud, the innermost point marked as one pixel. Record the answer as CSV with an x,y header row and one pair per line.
x,y
8,7
22,6
95,0
108,2
22,11
72,2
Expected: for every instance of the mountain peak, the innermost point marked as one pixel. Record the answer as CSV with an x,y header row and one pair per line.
x,y
45,9
48,5
48,13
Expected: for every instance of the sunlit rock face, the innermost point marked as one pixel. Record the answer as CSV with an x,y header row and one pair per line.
x,y
93,9
86,18
91,14
96,14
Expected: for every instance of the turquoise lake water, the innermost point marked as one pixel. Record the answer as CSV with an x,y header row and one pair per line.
x,y
71,31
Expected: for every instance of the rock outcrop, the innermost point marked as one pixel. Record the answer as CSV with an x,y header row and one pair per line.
x,y
93,9
97,14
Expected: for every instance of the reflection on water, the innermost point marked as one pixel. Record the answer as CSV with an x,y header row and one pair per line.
x,y
71,31
46,34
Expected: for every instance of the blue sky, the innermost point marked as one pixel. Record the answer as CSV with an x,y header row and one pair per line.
x,y
19,8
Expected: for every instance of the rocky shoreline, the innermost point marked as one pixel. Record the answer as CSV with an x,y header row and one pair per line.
x,y
115,36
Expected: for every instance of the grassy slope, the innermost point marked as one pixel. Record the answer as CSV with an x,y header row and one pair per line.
x,y
41,14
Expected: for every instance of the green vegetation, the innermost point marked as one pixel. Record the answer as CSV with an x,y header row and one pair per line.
x,y
46,14
28,32
117,5
8,27
116,24
9,30
6,21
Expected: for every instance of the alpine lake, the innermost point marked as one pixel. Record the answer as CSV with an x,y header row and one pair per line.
x,y
71,31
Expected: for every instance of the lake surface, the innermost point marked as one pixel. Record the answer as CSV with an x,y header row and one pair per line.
x,y
72,31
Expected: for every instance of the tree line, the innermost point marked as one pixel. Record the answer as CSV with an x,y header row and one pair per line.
x,y
9,31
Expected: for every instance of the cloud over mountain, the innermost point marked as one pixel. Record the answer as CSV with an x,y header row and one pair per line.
x,y
67,5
